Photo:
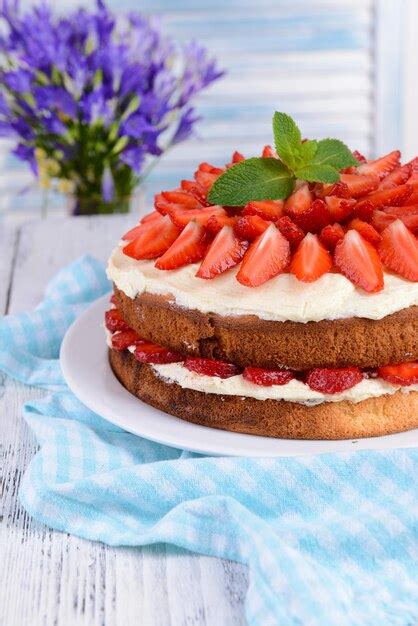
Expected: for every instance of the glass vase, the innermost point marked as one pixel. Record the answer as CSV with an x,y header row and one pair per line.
x,y
78,204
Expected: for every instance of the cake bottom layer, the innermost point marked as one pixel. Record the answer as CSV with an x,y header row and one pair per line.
x,y
270,418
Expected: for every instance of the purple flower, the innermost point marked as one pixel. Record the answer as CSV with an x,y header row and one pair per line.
x,y
100,91
185,126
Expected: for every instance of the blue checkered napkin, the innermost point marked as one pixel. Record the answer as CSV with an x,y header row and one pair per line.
x,y
330,540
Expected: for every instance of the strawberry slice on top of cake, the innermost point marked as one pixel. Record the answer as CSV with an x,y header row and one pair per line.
x,y
277,295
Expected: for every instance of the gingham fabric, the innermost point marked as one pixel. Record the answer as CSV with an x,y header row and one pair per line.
x,y
330,540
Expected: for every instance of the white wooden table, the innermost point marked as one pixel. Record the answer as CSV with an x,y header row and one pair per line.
x,y
49,578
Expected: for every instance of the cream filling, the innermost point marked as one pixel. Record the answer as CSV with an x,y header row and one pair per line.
x,y
280,299
293,391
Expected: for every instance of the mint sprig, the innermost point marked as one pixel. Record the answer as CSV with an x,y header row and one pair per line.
x,y
271,179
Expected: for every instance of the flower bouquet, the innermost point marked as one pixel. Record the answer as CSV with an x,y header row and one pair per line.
x,y
94,101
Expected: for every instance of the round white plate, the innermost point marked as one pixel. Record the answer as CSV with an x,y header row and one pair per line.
x,y
86,369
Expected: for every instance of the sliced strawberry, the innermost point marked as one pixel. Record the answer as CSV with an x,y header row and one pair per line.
x,y
216,222
121,341
269,153
267,256
142,228
182,198
357,259
315,217
360,158
154,241
403,374
149,352
399,176
360,185
211,169
225,251
267,378
113,299
382,167
189,247
299,201
381,220
237,157
182,217
114,321
413,198
210,367
331,235
150,217
340,189
387,197
206,179
196,190
267,209
401,211
250,227
333,380
290,230
399,250
366,230
339,208
364,211
311,260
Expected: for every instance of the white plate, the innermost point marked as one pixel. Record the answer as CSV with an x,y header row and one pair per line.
x,y
88,374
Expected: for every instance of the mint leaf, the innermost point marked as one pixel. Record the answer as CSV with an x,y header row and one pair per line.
x,y
318,173
287,138
335,153
253,179
307,151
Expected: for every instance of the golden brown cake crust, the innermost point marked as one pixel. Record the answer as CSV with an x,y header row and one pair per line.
x,y
272,418
248,340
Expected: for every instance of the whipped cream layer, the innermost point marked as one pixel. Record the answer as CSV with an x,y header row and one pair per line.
x,y
282,298
293,391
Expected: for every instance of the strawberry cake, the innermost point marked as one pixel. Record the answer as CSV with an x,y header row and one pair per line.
x,y
291,317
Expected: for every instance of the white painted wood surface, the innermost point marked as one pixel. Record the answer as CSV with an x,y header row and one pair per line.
x,y
49,578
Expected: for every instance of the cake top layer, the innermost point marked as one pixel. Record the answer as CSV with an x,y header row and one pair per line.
x,y
307,208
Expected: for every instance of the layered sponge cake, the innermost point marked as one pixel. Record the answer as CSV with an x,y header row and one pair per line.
x,y
291,318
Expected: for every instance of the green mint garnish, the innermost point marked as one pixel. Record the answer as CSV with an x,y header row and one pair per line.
x,y
271,179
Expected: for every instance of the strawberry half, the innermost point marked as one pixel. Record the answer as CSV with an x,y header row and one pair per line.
x,y
331,235
267,378
290,230
121,341
142,227
315,217
269,153
357,259
250,227
154,241
182,217
311,260
387,197
381,167
182,198
298,202
225,251
237,157
333,380
148,352
360,185
399,176
195,190
366,230
189,247
267,209
403,374
209,367
216,222
267,256
150,217
114,321
399,250
339,208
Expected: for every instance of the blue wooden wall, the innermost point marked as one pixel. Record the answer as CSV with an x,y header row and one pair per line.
x,y
314,59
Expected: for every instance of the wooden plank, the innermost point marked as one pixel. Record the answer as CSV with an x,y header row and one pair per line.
x,y
8,240
60,579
